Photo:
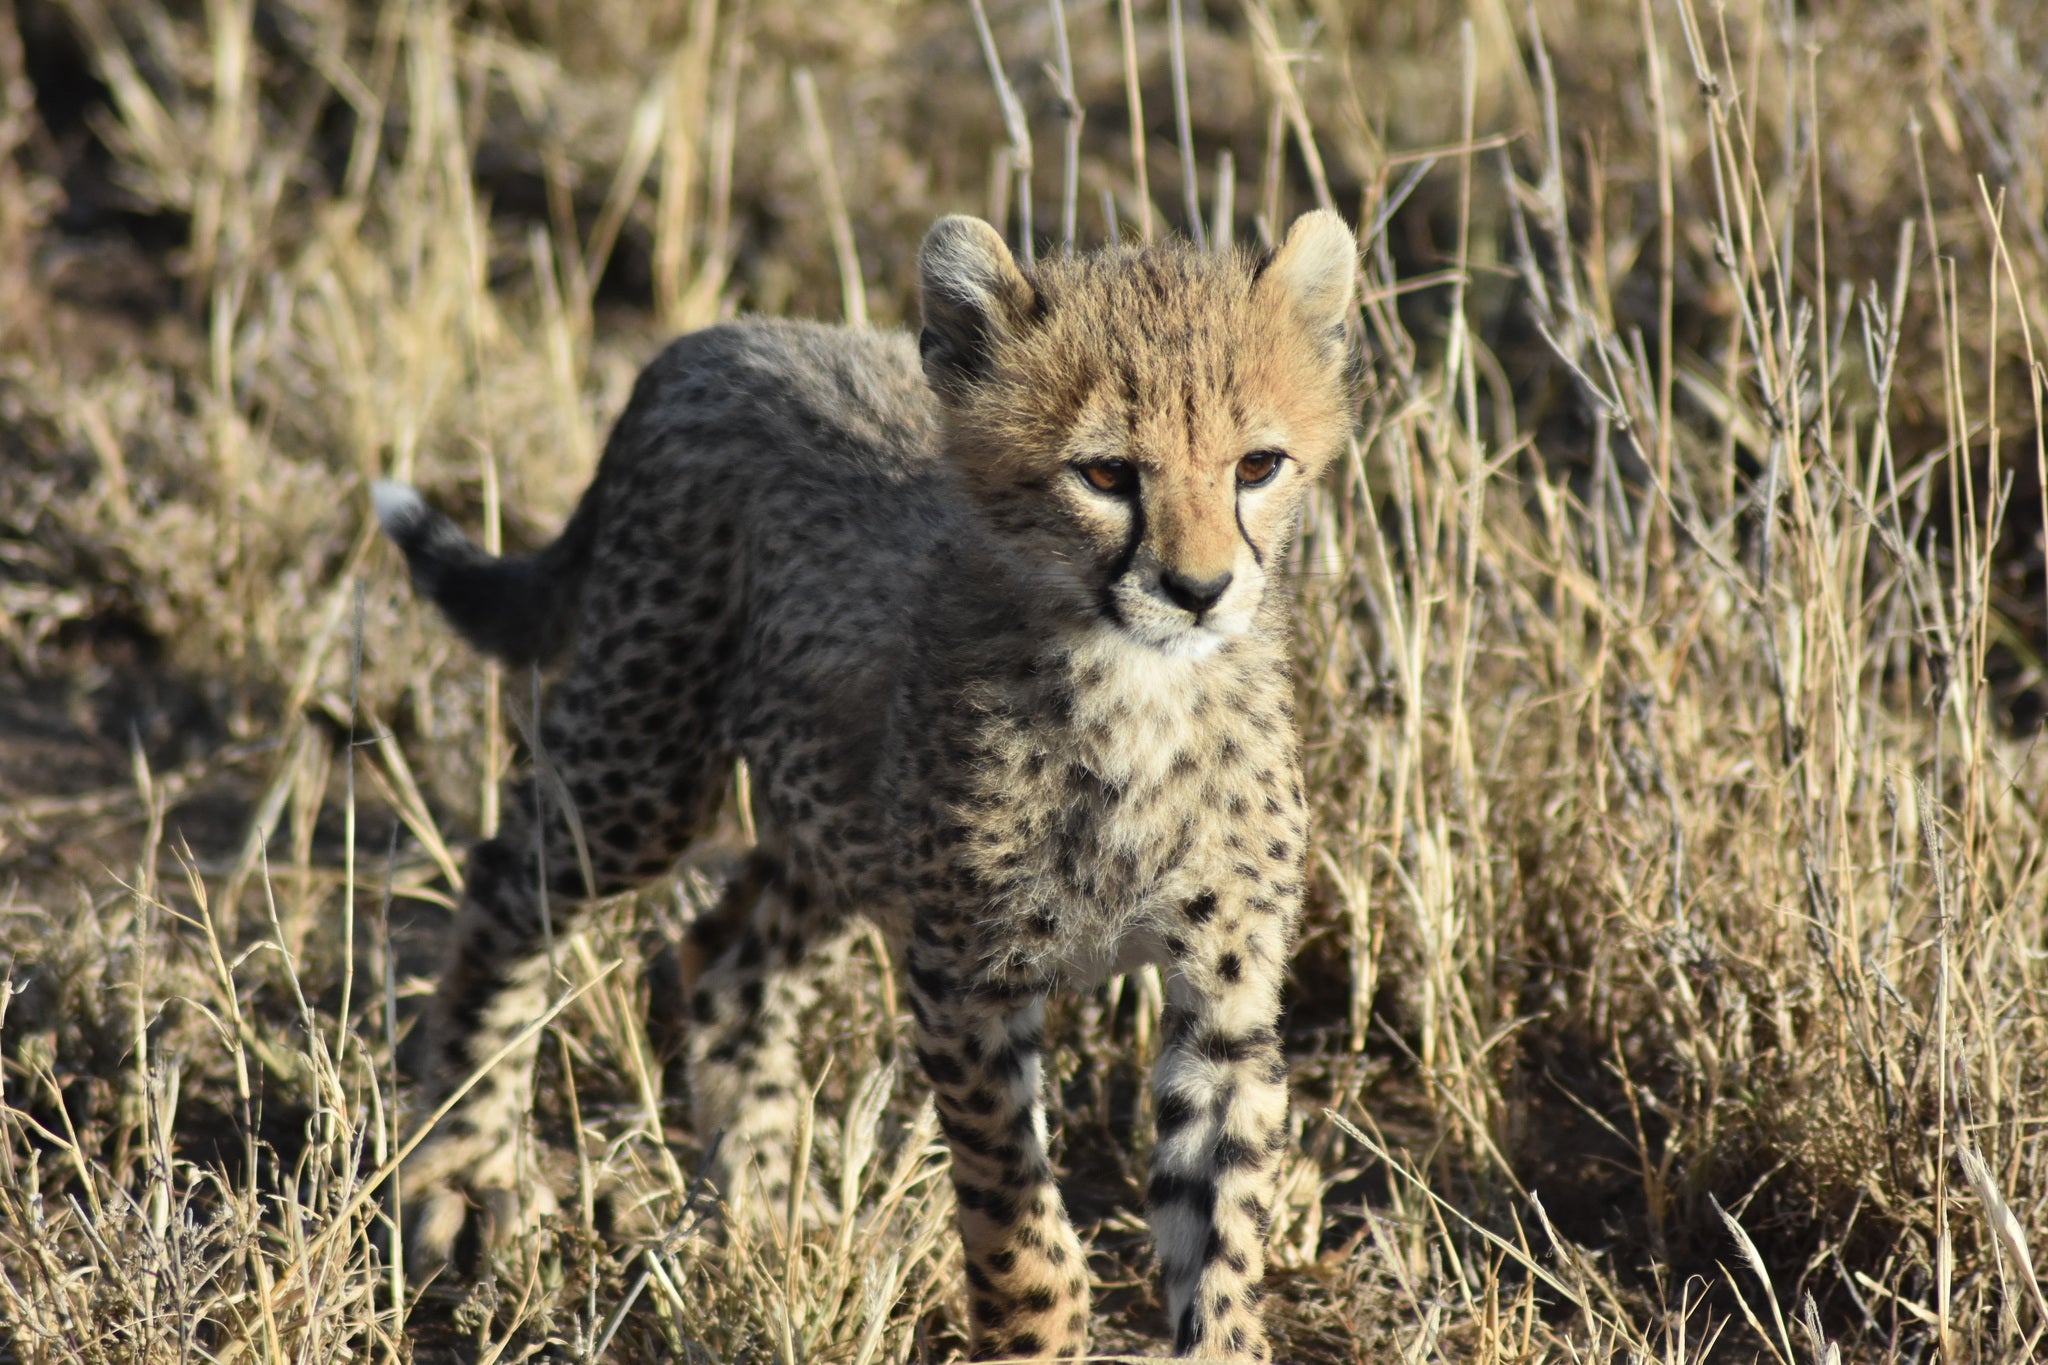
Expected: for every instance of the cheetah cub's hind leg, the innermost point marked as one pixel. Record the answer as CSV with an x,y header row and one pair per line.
x,y
471,1171
752,967
641,776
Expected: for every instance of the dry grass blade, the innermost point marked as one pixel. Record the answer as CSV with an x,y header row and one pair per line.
x,y
853,290
1781,1343
2006,1227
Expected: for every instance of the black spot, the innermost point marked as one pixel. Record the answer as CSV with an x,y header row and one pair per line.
x,y
1230,967
1026,1344
1192,1191
933,984
998,1206
1224,1048
1038,1299
1188,1334
1202,907
988,1312
1232,1154
1002,1262
943,1069
973,1139
1175,1113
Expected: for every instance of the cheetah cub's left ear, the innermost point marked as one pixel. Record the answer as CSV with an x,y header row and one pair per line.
x,y
1313,270
973,296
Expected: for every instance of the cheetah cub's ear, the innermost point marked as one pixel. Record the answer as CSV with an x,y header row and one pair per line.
x,y
1313,270
973,296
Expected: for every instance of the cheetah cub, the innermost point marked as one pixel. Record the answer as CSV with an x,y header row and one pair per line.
x,y
997,618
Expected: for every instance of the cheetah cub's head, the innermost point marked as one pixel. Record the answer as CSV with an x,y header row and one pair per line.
x,y
1139,426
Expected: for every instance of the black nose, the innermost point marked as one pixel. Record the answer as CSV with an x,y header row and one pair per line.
x,y
1194,594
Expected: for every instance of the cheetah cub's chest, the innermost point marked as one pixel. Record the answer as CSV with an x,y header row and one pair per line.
x,y
1121,788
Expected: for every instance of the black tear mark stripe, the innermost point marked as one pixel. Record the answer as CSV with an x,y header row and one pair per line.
x,y
1258,555
1133,538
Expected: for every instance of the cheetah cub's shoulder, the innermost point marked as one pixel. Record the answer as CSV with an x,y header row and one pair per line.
x,y
996,616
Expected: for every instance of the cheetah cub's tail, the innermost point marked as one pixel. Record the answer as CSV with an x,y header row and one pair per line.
x,y
517,608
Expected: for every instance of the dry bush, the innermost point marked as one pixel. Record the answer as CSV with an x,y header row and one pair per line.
x,y
1676,978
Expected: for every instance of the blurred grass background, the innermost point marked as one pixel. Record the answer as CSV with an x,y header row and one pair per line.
x,y
1675,982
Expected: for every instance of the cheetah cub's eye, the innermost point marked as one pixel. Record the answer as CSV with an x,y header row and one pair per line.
x,y
1259,467
1110,476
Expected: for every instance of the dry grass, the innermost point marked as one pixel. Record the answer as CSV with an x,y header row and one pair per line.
x,y
1676,982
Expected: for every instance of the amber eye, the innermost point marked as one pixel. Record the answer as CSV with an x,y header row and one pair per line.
x,y
1258,467
1109,476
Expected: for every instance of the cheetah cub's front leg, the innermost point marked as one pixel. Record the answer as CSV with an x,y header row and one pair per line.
x,y
979,1044
1220,1093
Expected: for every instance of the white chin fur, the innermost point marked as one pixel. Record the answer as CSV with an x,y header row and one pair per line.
x,y
1175,640
1194,643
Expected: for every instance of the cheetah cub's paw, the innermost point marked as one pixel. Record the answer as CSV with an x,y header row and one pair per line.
x,y
461,1203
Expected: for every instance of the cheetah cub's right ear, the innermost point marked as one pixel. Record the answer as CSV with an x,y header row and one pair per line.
x,y
973,297
1313,270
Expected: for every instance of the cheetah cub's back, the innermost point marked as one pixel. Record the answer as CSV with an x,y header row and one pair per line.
x,y
997,619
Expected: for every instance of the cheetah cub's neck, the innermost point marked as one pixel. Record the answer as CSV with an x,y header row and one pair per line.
x,y
1136,709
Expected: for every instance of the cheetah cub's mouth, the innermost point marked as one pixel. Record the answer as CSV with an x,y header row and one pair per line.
x,y
1139,427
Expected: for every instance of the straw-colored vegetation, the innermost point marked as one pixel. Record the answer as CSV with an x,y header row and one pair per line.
x,y
1675,982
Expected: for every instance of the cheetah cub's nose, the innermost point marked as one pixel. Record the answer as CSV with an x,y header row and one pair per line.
x,y
1194,594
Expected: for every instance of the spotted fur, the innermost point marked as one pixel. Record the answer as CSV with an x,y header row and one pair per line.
x,y
1039,729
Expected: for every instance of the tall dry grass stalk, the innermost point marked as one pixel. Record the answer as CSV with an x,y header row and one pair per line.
x,y
1675,985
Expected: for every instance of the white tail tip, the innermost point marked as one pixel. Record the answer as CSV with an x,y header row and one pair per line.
x,y
399,508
